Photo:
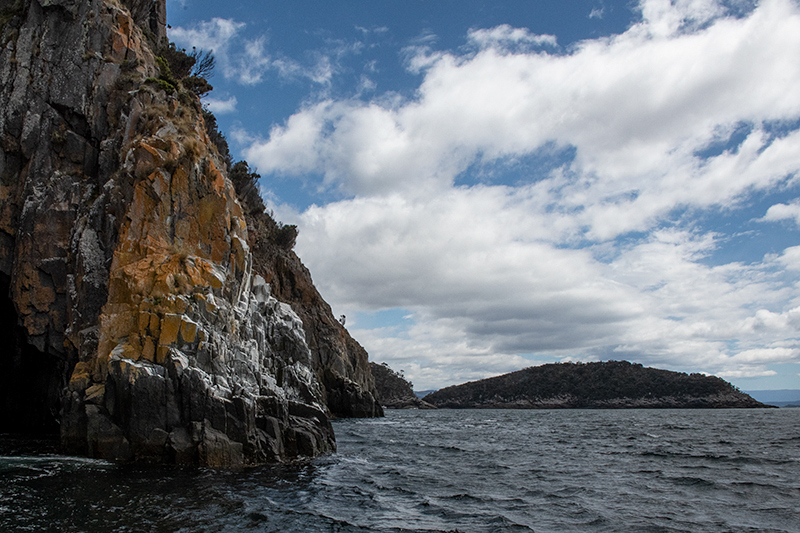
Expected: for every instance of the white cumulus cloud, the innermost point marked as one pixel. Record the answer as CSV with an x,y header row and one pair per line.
x,y
789,211
505,35
544,267
220,107
248,59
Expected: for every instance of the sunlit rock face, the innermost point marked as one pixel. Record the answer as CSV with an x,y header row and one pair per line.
x,y
128,269
340,362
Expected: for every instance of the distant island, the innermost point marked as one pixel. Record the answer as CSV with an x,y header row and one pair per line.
x,y
606,385
394,390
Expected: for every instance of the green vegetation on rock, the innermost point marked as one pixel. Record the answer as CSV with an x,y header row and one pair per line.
x,y
178,69
394,390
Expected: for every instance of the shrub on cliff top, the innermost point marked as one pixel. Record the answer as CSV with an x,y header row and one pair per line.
x,y
162,84
191,69
180,63
217,138
165,72
197,85
246,183
204,63
286,236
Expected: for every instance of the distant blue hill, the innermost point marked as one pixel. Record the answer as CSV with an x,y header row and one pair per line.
x,y
781,397
423,393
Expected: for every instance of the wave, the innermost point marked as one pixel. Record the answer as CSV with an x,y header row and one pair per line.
x,y
588,471
692,481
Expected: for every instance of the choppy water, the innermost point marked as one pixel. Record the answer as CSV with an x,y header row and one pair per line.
x,y
471,471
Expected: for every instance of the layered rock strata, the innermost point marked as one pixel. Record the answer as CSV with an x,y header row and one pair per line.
x,y
140,328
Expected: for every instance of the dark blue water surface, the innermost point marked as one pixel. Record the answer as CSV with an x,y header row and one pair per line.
x,y
447,470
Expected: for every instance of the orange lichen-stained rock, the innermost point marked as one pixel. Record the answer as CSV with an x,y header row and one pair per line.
x,y
125,270
150,316
181,321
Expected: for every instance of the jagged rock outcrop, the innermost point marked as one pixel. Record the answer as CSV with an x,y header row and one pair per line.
x,y
606,385
138,325
341,362
394,390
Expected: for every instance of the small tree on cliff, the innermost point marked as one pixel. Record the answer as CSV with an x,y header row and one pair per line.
x,y
246,183
191,69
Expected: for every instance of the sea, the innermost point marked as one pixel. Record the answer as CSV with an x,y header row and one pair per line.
x,y
448,471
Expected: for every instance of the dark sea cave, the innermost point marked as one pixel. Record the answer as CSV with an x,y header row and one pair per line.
x,y
31,381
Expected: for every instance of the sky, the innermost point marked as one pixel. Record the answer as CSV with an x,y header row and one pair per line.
x,y
484,186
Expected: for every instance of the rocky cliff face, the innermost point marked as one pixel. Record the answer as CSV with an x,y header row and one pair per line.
x,y
139,322
394,390
341,362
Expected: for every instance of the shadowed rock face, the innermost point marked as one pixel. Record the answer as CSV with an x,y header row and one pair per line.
x,y
139,323
150,16
26,369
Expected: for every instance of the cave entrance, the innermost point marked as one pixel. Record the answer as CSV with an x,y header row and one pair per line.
x,y
31,381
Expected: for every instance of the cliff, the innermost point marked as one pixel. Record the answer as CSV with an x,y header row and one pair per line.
x,y
145,317
609,385
394,390
340,361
